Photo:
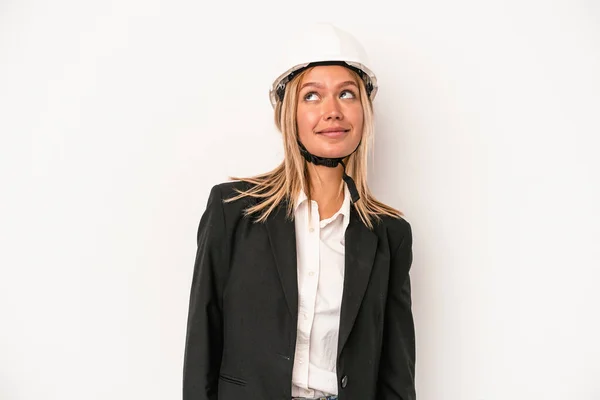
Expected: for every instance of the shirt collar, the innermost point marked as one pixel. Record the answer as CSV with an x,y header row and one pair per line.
x,y
344,209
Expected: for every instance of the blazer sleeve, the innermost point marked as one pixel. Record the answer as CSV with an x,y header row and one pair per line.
x,y
204,337
397,364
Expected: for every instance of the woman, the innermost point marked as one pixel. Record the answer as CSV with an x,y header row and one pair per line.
x,y
301,282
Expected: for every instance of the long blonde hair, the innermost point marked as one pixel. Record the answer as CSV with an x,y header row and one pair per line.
x,y
287,180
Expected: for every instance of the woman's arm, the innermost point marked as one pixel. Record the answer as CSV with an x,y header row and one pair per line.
x,y
204,340
397,365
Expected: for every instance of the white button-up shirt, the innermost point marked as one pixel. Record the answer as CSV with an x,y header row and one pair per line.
x,y
320,260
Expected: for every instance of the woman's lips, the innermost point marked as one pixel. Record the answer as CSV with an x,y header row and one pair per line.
x,y
334,134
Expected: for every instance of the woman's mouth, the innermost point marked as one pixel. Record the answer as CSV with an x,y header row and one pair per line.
x,y
333,132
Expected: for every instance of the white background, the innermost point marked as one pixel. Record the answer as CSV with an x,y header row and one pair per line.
x,y
117,117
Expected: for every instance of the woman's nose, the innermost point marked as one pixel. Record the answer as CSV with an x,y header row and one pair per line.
x,y
332,110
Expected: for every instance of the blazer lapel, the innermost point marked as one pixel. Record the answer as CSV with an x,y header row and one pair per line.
x,y
282,237
360,249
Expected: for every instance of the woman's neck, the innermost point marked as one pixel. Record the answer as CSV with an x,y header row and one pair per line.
x,y
325,188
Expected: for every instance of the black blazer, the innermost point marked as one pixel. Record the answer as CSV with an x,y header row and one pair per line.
x,y
241,330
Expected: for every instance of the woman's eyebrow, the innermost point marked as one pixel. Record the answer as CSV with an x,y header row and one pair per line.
x,y
347,83
320,85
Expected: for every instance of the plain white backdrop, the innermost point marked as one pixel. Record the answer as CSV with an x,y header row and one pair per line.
x,y
117,117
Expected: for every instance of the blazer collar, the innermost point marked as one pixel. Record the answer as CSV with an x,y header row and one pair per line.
x,y
360,251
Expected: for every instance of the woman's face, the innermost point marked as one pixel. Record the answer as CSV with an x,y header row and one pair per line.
x,y
329,113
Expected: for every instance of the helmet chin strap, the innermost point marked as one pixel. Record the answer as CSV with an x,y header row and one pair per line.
x,y
332,163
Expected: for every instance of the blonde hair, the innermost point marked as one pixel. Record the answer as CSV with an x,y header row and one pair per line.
x,y
287,180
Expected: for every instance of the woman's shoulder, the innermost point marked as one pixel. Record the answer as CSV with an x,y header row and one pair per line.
x,y
229,195
397,229
230,189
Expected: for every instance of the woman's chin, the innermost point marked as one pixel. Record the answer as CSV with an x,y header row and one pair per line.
x,y
333,153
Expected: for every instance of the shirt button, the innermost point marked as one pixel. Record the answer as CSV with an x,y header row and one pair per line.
x,y
311,273
311,230
344,381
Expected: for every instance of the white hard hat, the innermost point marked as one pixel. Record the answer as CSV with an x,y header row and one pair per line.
x,y
323,43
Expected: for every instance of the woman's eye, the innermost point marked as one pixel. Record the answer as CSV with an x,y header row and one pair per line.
x,y
349,94
310,96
